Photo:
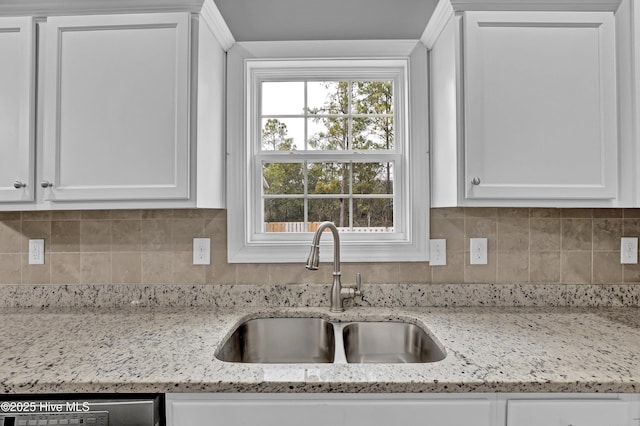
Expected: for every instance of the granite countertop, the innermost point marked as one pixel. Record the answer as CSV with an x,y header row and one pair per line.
x,y
172,350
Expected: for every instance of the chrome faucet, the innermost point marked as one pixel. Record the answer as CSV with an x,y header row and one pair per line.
x,y
338,291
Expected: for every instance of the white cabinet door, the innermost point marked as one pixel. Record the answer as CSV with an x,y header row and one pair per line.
x,y
334,412
540,105
116,123
17,109
565,413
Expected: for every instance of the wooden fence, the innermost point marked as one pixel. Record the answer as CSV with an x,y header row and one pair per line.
x,y
313,226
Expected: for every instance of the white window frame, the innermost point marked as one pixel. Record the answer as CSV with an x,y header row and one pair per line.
x,y
403,62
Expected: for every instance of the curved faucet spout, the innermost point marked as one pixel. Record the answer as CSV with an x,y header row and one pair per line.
x,y
338,293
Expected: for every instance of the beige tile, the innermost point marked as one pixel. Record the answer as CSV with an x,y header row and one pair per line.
x,y
184,231
631,228
125,235
576,213
157,267
452,272
631,213
216,229
607,267
36,215
606,234
480,212
513,266
156,235
65,236
157,214
631,273
95,236
66,215
126,268
545,234
126,214
545,213
252,273
451,229
296,273
95,268
65,268
415,273
184,271
220,272
608,213
95,214
545,267
36,230
10,216
372,273
481,228
36,274
448,212
10,236
481,273
513,212
576,267
10,268
197,213
513,233
576,234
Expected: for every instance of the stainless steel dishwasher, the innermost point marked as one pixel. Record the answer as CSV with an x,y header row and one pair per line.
x,y
74,410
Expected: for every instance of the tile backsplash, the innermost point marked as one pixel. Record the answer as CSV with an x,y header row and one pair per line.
x,y
573,246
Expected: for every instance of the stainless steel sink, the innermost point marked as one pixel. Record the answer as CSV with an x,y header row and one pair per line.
x,y
389,342
315,340
280,340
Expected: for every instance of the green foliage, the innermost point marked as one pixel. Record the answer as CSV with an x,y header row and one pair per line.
x,y
371,129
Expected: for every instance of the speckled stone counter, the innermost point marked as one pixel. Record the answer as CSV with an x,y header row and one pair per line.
x,y
172,350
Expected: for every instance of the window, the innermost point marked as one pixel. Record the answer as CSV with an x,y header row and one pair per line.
x,y
320,139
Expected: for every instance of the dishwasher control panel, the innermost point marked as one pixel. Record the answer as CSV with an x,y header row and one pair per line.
x,y
91,418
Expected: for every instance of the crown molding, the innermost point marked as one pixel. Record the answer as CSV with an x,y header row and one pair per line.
x,y
536,5
446,8
211,15
76,7
441,15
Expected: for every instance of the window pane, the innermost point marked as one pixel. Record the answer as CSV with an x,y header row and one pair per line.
x,y
334,210
373,133
284,215
328,97
373,215
282,134
329,178
373,178
328,133
282,98
283,178
372,97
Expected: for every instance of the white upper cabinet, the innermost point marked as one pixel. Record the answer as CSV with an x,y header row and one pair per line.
x,y
117,107
130,106
540,104
525,110
17,88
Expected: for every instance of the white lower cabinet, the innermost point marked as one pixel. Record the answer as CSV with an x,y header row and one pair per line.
x,y
202,409
319,410
565,413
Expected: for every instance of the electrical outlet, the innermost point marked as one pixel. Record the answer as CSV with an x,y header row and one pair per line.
x,y
629,250
478,251
438,252
202,251
36,252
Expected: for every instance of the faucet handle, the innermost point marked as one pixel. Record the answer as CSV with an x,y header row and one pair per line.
x,y
358,291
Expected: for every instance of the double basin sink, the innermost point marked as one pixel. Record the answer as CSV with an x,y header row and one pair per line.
x,y
316,340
